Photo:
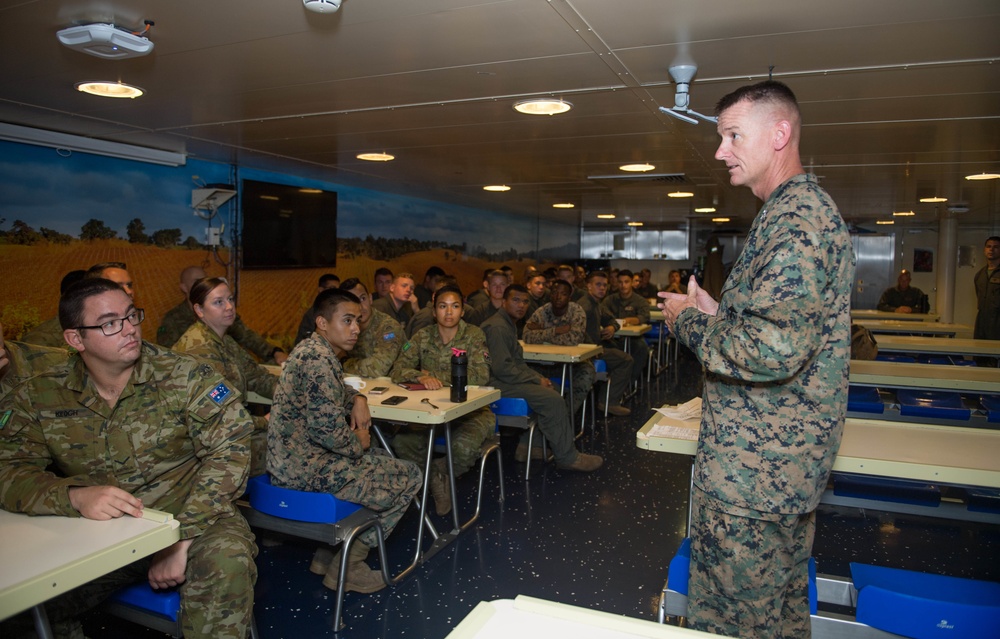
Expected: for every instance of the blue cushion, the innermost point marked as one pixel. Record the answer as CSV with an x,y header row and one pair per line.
x,y
893,357
511,406
601,366
992,405
900,491
925,606
864,399
166,603
983,500
297,505
935,404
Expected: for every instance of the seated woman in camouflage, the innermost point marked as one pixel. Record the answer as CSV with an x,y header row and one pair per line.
x,y
212,301
426,359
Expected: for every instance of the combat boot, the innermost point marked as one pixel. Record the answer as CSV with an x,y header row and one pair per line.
x,y
322,559
359,578
440,488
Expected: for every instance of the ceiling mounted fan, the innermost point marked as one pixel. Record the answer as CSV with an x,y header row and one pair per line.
x,y
682,75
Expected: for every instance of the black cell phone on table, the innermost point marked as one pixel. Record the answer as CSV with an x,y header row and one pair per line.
x,y
395,399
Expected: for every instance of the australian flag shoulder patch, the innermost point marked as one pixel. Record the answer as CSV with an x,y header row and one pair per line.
x,y
389,336
219,393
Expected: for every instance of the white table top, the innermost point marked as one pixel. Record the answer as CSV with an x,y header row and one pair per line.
x,y
413,411
881,327
530,618
872,314
560,354
926,376
948,454
953,346
46,556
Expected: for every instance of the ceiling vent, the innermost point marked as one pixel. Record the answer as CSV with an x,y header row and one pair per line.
x,y
105,41
665,179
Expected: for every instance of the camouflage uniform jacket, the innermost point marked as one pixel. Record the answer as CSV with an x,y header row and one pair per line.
x,y
178,438
180,318
507,365
634,306
377,347
388,307
231,361
48,333
28,360
310,432
426,352
573,317
776,358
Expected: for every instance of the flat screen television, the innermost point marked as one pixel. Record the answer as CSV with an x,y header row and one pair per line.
x,y
288,226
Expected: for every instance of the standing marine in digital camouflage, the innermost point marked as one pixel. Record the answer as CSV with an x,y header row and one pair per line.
x,y
172,435
775,349
380,339
318,439
426,359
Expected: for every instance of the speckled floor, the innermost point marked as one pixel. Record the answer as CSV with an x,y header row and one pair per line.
x,y
600,540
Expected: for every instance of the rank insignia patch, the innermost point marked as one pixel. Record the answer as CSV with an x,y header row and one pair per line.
x,y
219,393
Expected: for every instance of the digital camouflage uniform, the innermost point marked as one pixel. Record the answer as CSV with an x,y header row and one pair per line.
x,y
242,371
310,445
387,306
635,306
178,438
584,373
180,318
620,364
776,359
426,352
28,360
514,378
48,333
377,347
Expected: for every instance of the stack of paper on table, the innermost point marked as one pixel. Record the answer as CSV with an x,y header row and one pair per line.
x,y
678,422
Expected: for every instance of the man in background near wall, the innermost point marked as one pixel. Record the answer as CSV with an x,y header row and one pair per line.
x,y
383,282
903,298
601,328
776,354
308,323
633,310
49,333
646,289
425,291
987,282
177,320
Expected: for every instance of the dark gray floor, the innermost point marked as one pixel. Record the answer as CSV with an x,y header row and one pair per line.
x,y
600,540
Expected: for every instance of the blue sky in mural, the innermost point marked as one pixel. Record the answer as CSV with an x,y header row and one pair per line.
x,y
44,188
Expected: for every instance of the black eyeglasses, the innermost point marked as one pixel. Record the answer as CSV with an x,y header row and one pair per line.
x,y
115,326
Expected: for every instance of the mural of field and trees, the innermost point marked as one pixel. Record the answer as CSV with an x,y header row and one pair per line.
x,y
60,213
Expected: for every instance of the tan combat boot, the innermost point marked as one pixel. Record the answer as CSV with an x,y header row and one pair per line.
x,y
360,578
440,488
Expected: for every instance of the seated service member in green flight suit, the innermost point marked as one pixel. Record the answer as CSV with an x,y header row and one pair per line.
x,y
380,339
123,426
208,339
630,307
426,359
318,439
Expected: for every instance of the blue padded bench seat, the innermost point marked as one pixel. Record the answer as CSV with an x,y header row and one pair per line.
x,y
933,404
900,491
893,357
991,404
298,505
983,500
165,603
511,406
925,606
864,399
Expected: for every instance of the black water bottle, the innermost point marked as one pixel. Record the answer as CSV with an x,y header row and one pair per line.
x,y
459,376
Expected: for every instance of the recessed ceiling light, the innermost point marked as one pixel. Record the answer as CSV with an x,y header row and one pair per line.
x,y
605,216
376,157
635,223
903,213
542,106
563,205
933,200
307,190
882,222
496,188
637,168
720,219
273,198
680,194
705,209
983,176
109,89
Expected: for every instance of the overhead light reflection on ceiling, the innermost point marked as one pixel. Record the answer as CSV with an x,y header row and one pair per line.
x,y
605,216
563,205
635,223
705,209
542,106
308,190
983,176
680,194
637,168
109,89
933,200
376,157
720,219
884,222
496,188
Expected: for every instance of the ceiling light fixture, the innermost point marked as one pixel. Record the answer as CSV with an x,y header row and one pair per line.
x,y
322,6
270,198
542,106
983,176
605,216
376,157
933,200
903,213
67,142
106,89
496,188
635,223
884,222
310,190
637,168
720,219
563,205
705,209
677,194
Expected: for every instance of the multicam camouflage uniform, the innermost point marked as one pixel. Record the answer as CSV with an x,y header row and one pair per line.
x,y
178,438
621,367
426,352
233,362
377,347
28,360
776,361
514,378
48,333
584,373
638,307
180,318
310,445
388,306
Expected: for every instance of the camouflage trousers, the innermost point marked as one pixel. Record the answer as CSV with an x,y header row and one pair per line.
x,y
381,484
467,436
584,376
216,597
620,371
639,350
749,575
553,418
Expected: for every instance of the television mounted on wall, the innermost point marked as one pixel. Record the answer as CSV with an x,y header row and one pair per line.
x,y
288,226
